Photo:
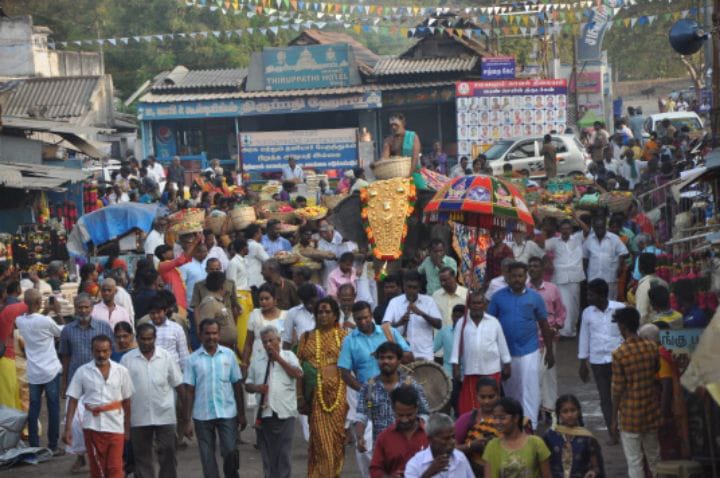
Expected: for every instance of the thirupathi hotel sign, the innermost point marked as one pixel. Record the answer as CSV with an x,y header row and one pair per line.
x,y
301,67
311,66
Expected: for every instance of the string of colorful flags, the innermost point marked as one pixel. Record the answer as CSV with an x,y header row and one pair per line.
x,y
518,29
500,16
409,11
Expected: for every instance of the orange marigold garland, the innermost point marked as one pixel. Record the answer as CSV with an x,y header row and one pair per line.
x,y
405,186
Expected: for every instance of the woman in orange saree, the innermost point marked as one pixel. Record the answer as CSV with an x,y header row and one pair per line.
x,y
319,349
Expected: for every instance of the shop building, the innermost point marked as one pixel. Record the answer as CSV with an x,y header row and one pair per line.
x,y
320,81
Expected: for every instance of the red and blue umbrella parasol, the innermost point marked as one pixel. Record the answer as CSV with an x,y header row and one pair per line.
x,y
480,201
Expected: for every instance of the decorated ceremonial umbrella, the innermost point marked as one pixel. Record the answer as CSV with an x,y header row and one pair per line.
x,y
474,205
482,202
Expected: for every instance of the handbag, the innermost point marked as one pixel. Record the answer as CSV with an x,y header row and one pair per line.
x,y
309,379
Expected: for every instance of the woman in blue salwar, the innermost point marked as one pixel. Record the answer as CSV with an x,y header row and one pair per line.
x,y
575,453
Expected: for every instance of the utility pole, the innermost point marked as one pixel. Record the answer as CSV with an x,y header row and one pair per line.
x,y
100,47
573,81
714,108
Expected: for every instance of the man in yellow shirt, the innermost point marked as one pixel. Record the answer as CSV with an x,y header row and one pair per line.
x,y
665,317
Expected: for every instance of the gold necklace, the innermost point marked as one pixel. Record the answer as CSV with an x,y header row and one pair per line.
x,y
341,389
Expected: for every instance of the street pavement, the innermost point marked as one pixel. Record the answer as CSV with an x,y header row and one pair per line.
x,y
251,465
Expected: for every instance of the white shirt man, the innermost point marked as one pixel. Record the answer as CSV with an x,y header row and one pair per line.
x,y
446,300
418,331
599,337
43,366
298,321
604,259
568,273
217,252
254,261
484,346
281,387
170,337
279,402
495,285
458,465
238,273
152,241
153,409
642,296
293,173
156,172
525,249
97,391
123,299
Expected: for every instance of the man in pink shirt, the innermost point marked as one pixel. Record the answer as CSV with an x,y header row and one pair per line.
x,y
107,310
556,319
344,273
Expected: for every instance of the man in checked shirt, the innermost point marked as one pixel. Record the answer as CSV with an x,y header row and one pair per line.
x,y
636,413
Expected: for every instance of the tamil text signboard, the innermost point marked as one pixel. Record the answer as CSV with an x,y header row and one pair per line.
x,y
497,68
309,66
316,149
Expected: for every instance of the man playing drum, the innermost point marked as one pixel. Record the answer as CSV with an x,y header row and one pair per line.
x,y
358,365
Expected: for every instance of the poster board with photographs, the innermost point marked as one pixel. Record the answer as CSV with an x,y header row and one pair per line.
x,y
488,111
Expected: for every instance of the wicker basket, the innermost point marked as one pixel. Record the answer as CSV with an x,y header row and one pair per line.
x,y
288,228
187,221
398,167
541,213
287,258
288,216
216,224
311,213
331,201
616,202
242,217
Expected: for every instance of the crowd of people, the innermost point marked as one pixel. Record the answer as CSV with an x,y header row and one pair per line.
x,y
210,329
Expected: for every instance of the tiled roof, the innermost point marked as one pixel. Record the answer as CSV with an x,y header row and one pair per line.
x,y
409,66
249,95
61,97
180,78
365,57
413,85
241,95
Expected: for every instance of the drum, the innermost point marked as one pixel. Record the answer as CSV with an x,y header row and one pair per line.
x,y
434,381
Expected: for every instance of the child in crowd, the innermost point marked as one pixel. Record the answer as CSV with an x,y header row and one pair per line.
x,y
474,429
344,273
574,450
444,341
514,452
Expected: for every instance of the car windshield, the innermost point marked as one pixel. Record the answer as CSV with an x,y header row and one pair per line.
x,y
690,121
498,149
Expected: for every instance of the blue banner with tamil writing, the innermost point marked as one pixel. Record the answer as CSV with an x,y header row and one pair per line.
x,y
317,149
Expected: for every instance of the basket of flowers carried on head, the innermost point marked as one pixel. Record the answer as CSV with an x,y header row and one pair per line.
x,y
187,221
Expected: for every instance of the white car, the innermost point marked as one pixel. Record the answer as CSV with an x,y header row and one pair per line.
x,y
678,119
524,154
